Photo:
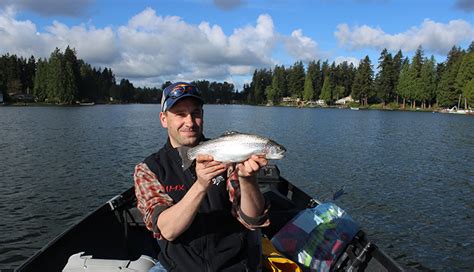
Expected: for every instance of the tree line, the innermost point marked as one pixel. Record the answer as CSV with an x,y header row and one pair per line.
x,y
64,79
398,80
417,82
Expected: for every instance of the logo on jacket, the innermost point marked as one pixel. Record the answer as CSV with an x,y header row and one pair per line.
x,y
172,188
217,180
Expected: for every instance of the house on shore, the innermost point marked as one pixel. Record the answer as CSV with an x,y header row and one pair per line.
x,y
344,100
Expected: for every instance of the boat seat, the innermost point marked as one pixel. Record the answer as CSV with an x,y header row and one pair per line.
x,y
80,262
281,211
134,217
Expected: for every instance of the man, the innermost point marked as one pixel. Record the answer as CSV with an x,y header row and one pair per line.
x,y
204,218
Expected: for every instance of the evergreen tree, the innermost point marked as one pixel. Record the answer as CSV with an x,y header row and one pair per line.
x,y
271,94
384,80
324,70
362,88
346,77
468,93
447,93
397,68
259,88
318,78
338,92
223,92
415,70
417,61
326,91
107,78
296,78
72,75
69,93
465,75
15,86
315,76
55,82
405,83
246,91
115,94
333,75
204,87
3,76
278,88
30,71
41,80
89,86
261,79
308,93
12,74
471,48
427,82
126,90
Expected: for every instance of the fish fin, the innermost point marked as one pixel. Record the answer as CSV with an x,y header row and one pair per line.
x,y
183,154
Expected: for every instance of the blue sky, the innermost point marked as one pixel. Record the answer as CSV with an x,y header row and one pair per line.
x,y
150,42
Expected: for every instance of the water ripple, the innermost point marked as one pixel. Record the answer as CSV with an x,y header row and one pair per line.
x,y
408,177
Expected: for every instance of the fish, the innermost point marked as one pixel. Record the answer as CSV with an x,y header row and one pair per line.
x,y
234,147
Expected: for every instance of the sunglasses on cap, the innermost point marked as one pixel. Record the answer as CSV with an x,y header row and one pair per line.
x,y
181,90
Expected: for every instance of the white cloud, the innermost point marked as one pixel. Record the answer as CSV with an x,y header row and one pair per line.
x,y
22,38
301,47
168,47
18,36
153,48
434,37
341,59
96,45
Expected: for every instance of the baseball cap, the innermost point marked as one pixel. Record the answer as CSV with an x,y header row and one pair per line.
x,y
176,91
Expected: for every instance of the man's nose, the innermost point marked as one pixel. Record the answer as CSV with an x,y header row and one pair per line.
x,y
188,119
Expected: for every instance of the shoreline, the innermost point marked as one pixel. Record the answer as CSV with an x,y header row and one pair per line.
x,y
371,107
347,107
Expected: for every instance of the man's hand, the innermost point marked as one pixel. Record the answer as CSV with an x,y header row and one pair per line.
x,y
207,168
172,226
251,166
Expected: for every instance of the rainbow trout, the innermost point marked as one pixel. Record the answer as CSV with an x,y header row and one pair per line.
x,y
234,147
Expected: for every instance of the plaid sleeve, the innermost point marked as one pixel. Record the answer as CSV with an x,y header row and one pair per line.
x,y
233,187
151,197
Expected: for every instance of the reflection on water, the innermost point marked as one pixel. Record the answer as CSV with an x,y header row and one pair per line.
x,y
408,176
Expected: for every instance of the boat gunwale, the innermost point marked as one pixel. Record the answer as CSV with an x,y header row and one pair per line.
x,y
293,193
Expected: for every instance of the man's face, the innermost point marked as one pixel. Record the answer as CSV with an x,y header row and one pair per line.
x,y
184,122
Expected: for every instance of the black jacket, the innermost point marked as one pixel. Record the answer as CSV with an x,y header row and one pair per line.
x,y
216,240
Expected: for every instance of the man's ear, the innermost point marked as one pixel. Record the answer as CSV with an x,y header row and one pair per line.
x,y
163,119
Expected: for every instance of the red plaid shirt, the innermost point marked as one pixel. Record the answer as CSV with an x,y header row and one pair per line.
x,y
151,195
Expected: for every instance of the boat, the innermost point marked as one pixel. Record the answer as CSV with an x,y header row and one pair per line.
x,y
456,110
354,108
115,231
86,104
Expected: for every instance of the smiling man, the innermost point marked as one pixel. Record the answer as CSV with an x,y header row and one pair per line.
x,y
200,225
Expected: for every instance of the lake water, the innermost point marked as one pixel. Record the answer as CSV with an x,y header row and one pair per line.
x,y
408,176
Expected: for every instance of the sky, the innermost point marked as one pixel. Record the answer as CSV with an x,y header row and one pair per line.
x,y
150,42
